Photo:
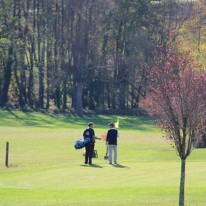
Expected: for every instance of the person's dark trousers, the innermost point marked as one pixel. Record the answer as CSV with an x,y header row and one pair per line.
x,y
89,152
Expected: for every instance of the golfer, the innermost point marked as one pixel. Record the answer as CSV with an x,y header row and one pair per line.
x,y
111,141
89,132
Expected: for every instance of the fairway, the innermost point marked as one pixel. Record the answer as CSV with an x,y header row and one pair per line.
x,y
46,170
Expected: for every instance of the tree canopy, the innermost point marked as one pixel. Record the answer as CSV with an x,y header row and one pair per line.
x,y
75,55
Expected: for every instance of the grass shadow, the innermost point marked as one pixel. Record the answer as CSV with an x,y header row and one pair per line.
x,y
92,165
95,166
120,166
51,120
14,114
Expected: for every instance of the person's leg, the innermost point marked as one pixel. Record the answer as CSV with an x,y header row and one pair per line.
x,y
110,153
91,150
115,153
86,154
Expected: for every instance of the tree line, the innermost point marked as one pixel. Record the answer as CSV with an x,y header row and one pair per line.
x,y
76,55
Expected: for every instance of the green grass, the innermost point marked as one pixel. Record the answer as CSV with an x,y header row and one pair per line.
x,y
46,170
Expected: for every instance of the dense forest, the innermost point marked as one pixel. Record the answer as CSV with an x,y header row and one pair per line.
x,y
89,55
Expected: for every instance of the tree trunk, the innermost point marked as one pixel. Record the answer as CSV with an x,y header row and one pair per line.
x,y
57,97
182,183
65,94
7,79
19,86
108,96
31,75
40,58
48,55
79,109
122,95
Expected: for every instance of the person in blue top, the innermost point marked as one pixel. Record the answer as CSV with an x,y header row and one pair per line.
x,y
111,141
89,133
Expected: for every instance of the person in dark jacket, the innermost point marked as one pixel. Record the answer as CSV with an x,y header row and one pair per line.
x,y
89,133
111,141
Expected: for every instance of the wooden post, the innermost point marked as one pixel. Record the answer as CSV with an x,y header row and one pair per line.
x,y
7,154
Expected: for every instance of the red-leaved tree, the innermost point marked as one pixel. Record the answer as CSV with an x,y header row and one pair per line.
x,y
177,96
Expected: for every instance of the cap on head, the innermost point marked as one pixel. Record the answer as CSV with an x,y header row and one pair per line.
x,y
90,124
111,124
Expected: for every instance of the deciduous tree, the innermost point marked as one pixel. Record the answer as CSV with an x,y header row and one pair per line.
x,y
177,95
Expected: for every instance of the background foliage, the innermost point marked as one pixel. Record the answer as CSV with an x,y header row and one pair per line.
x,y
74,55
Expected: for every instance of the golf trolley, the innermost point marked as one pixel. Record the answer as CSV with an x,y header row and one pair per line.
x,y
94,155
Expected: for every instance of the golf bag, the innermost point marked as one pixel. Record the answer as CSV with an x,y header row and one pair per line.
x,y
79,144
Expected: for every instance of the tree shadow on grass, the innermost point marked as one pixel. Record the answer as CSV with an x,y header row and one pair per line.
x,y
15,115
52,120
